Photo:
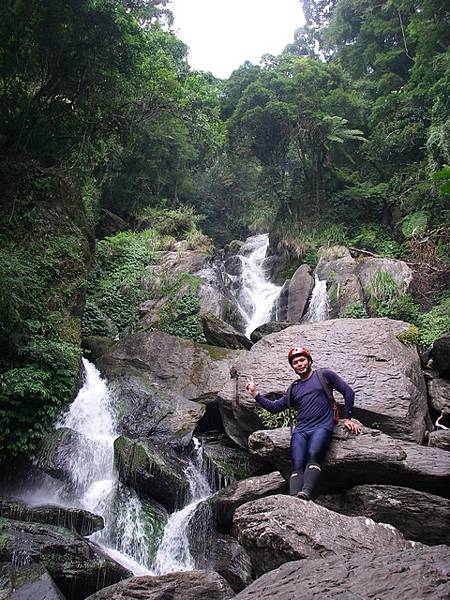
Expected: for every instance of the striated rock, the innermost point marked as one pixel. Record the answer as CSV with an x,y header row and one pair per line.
x,y
385,374
368,267
439,394
188,585
344,291
76,519
61,450
219,333
371,457
227,463
410,574
224,503
228,558
152,470
270,327
277,529
78,568
398,506
300,288
192,370
441,355
27,582
439,439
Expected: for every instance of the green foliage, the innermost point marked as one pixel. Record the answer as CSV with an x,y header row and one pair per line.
x,y
356,310
375,238
443,177
387,300
175,222
415,224
180,316
410,336
116,285
435,323
275,420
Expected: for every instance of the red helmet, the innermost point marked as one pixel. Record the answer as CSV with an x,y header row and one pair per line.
x,y
298,351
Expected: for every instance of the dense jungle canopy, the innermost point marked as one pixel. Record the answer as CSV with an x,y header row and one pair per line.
x,y
342,138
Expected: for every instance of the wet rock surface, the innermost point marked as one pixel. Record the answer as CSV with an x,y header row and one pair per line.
x,y
151,469
401,507
77,567
441,355
219,333
279,528
411,574
385,374
224,503
191,585
300,287
27,582
76,519
370,457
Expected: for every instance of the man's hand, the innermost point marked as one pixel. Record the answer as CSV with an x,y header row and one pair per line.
x,y
251,387
353,426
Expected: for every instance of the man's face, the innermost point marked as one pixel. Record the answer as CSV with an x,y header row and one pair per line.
x,y
301,364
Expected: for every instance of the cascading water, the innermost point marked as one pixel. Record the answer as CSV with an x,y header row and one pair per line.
x,y
318,306
94,485
257,294
174,552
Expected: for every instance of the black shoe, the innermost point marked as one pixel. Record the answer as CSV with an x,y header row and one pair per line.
x,y
304,495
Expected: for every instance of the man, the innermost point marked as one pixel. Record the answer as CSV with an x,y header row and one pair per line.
x,y
315,418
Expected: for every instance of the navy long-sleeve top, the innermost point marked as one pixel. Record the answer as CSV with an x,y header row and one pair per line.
x,y
314,408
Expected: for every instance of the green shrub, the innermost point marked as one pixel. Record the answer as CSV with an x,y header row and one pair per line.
x,y
387,300
356,310
275,420
434,323
181,317
410,336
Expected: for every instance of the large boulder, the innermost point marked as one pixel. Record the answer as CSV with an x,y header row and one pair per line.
x,y
439,394
270,327
367,268
77,567
151,469
344,292
76,519
300,288
224,503
441,355
276,529
157,377
334,262
188,585
371,457
27,582
409,574
219,333
61,450
439,439
399,507
385,374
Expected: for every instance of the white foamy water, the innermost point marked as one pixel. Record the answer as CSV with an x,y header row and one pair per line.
x,y
174,553
319,304
257,294
95,486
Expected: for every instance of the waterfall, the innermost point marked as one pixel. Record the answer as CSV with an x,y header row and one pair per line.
x,y
174,552
318,306
94,485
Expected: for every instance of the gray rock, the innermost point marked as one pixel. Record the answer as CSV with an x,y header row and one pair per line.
x,y
79,568
439,439
439,394
280,305
228,558
188,585
27,582
224,503
368,267
270,327
60,452
219,333
76,519
227,463
334,262
95,345
371,457
344,291
410,574
276,529
398,506
300,288
441,355
151,469
385,374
